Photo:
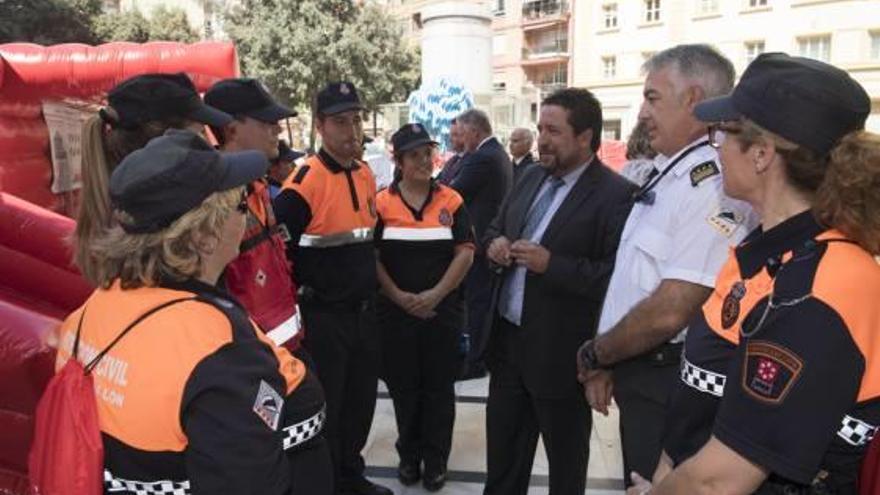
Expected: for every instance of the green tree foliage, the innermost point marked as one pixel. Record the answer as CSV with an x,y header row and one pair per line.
x,y
171,25
48,22
297,46
122,26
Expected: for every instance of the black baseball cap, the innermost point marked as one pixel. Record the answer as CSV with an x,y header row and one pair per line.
x,y
248,98
173,174
285,152
338,97
808,102
151,97
410,136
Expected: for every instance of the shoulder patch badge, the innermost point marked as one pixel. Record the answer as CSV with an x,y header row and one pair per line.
x,y
770,371
703,171
268,405
445,218
725,222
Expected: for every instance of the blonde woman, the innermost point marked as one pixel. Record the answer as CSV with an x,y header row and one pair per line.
x,y
191,396
138,110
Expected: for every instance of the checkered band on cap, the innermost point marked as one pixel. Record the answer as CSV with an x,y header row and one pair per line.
x,y
856,432
131,487
305,430
703,380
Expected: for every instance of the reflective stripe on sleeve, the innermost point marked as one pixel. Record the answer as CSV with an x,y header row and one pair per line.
x,y
354,236
415,234
703,380
287,330
163,487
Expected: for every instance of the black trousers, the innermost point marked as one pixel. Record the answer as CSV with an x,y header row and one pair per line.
x,y
515,417
642,389
345,350
478,297
419,365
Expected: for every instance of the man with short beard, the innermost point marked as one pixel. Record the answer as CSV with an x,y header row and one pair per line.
x,y
553,246
328,206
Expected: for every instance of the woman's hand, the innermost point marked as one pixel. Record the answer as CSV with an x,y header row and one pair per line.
x,y
426,302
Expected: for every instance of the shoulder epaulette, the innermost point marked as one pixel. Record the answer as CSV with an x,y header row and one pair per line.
x,y
301,174
703,171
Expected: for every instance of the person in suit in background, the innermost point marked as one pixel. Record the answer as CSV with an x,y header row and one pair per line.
x,y
453,164
553,243
484,179
520,146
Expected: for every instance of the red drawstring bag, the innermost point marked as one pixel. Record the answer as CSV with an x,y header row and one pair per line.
x,y
67,454
869,475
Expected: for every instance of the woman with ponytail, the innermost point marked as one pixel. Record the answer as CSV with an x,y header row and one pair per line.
x,y
139,109
780,375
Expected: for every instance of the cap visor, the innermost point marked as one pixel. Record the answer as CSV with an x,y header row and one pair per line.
x,y
292,155
210,116
717,110
341,107
272,113
243,167
415,144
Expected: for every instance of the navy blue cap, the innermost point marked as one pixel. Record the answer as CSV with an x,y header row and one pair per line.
x,y
286,153
173,174
152,97
338,97
807,102
247,98
410,136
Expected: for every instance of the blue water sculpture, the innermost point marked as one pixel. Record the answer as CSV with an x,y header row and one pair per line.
x,y
436,103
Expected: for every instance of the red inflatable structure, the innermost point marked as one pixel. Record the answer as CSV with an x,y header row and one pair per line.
x,y
38,283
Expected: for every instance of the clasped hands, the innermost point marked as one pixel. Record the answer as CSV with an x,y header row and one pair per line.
x,y
531,255
420,305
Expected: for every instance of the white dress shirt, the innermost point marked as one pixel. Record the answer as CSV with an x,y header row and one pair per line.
x,y
684,235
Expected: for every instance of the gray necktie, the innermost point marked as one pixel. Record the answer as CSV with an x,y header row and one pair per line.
x,y
539,209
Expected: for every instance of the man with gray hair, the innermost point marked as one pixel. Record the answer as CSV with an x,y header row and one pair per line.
x,y
675,241
483,180
520,146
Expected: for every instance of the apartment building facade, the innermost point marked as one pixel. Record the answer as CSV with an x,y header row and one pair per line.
x,y
614,38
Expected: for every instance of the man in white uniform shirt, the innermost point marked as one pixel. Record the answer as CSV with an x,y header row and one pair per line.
x,y
675,240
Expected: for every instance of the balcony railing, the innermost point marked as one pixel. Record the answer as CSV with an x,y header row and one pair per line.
x,y
548,49
533,10
549,87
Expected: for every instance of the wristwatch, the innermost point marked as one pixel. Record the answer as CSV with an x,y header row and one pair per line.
x,y
588,358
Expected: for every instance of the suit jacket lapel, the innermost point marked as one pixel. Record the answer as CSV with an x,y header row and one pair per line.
x,y
582,189
522,207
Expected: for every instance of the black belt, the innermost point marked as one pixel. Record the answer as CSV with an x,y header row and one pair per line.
x,y
338,306
663,355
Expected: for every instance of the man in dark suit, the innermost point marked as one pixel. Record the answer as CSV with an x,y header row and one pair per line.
x,y
520,146
483,180
553,243
453,165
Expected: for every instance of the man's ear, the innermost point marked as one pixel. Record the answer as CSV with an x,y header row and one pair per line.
x,y
585,139
692,96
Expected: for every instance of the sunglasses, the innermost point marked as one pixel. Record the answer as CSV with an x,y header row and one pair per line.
x,y
242,206
718,133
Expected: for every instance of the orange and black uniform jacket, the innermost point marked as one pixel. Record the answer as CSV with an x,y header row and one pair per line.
x,y
801,386
416,245
194,399
329,212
